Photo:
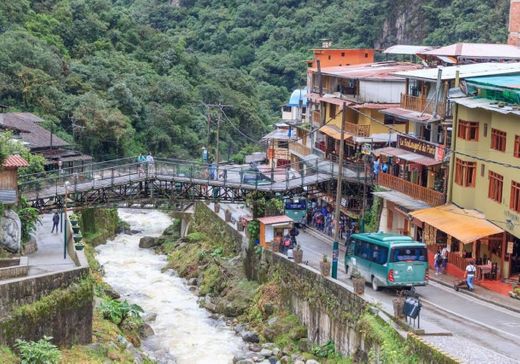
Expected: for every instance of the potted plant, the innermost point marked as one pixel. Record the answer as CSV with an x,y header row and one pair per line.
x,y
227,215
79,245
325,266
216,207
298,255
77,237
73,218
358,282
240,225
75,229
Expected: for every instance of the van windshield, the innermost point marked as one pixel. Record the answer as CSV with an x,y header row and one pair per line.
x,y
408,254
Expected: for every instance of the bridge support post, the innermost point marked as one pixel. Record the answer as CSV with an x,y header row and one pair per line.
x,y
185,225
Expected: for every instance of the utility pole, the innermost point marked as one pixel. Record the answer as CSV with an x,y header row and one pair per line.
x,y
217,153
220,109
339,190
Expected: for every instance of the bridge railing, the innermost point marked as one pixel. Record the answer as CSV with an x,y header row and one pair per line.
x,y
126,170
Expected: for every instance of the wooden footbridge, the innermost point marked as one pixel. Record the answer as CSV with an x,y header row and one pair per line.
x,y
166,182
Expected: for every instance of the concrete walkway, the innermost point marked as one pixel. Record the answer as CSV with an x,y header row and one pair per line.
x,y
49,256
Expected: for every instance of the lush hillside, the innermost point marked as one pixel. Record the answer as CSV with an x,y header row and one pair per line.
x,y
131,75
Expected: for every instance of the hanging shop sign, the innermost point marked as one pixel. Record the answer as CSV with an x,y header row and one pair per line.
x,y
416,146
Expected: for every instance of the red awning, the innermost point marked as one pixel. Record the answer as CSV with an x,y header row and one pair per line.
x,y
15,161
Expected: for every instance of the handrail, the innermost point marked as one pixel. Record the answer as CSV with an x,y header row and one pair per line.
x,y
431,197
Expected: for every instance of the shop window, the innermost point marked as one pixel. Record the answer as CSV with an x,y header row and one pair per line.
x,y
517,146
514,204
332,110
468,130
465,173
496,183
498,140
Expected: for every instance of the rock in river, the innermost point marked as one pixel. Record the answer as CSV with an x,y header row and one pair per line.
x,y
250,337
147,242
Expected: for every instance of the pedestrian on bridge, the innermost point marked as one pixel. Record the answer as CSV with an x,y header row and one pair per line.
x,y
140,160
55,222
150,162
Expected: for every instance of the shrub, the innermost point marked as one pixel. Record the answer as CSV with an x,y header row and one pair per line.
x,y
38,352
117,311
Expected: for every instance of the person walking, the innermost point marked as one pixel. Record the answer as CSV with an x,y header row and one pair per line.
x,y
293,233
140,160
444,256
55,222
150,163
437,262
469,275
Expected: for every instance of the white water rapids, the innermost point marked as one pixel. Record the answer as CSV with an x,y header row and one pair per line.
x,y
184,332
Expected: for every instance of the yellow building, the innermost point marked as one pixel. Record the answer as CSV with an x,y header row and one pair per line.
x,y
485,166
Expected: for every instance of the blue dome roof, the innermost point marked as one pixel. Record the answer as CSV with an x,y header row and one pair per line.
x,y
296,96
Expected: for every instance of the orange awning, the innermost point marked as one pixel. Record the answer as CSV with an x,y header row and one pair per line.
x,y
464,225
334,132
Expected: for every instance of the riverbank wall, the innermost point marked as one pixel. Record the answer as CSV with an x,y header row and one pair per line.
x,y
329,309
56,304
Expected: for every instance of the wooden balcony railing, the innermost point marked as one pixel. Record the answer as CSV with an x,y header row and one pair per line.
x,y
358,130
299,149
431,197
422,104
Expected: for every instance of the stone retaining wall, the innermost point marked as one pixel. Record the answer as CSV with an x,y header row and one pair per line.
x,y
17,267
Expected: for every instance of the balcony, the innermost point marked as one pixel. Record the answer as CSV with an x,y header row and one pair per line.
x,y
358,129
299,149
422,105
431,197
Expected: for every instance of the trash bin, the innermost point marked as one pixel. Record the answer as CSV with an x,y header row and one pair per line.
x,y
412,307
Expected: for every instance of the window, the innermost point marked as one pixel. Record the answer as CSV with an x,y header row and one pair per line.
x,y
390,119
465,173
407,254
332,111
498,140
283,144
468,130
514,204
379,254
517,146
496,183
342,54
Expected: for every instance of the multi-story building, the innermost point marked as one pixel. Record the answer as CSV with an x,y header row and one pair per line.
x,y
416,170
483,221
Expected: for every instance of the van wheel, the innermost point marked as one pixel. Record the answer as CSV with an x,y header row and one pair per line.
x,y
375,285
348,272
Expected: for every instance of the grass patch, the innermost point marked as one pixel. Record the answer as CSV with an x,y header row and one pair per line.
x,y
7,356
212,280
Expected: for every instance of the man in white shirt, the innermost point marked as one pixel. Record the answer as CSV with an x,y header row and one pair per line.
x,y
150,162
470,275
444,256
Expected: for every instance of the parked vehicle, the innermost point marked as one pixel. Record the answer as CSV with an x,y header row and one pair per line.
x,y
387,260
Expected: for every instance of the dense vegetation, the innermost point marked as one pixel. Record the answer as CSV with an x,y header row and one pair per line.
x,y
123,76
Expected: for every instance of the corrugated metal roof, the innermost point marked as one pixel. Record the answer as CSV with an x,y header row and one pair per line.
x,y
465,71
403,200
374,106
486,104
409,114
465,225
507,81
15,161
476,50
270,220
297,96
371,71
406,49
407,155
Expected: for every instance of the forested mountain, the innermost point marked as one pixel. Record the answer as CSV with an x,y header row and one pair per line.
x,y
131,75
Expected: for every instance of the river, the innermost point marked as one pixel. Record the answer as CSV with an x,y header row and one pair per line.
x,y
184,332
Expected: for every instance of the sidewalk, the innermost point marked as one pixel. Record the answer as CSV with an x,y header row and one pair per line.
x,y
480,292
49,256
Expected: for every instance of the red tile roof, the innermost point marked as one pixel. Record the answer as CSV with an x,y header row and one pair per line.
x,y
270,220
15,161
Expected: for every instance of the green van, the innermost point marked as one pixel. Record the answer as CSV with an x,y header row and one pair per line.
x,y
387,260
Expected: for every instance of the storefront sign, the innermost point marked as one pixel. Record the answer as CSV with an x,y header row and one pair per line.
x,y
416,146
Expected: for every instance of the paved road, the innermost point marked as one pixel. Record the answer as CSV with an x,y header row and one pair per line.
x,y
498,339
49,256
492,335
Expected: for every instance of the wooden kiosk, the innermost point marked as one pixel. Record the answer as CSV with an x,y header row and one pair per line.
x,y
273,229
